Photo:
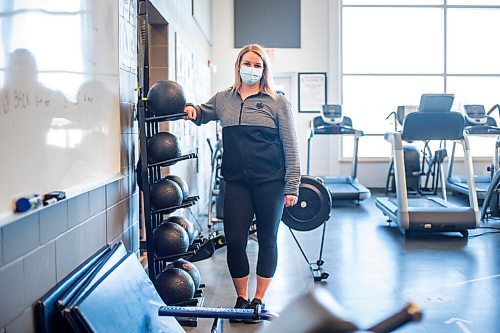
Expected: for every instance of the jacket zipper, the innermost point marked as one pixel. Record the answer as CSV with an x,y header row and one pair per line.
x,y
241,112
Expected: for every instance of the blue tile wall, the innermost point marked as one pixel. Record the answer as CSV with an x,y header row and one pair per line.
x,y
39,270
11,292
93,234
78,209
97,200
20,237
53,221
67,252
1,248
117,219
22,324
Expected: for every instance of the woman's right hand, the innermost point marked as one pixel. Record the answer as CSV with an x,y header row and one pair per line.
x,y
190,113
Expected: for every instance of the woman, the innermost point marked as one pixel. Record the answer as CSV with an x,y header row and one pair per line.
x,y
260,165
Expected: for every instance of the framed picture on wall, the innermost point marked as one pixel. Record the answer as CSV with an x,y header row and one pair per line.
x,y
312,92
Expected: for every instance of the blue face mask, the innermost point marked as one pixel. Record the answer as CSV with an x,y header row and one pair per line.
x,y
250,75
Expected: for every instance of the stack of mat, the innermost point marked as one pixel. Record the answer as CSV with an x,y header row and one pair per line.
x,y
110,292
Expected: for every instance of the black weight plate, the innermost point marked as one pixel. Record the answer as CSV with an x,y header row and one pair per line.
x,y
309,204
312,208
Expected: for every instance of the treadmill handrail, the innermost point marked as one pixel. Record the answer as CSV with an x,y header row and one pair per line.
x,y
396,141
451,162
349,131
469,169
395,138
452,156
319,127
488,130
343,130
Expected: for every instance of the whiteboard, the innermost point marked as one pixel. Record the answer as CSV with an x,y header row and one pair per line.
x,y
59,106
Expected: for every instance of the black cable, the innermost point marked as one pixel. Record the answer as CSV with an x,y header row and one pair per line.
x,y
484,233
193,215
494,218
495,228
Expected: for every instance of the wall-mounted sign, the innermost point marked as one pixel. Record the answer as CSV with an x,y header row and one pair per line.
x,y
312,92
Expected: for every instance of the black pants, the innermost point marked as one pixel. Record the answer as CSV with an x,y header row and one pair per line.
x,y
241,202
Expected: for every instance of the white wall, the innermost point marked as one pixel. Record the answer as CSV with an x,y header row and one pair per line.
x,y
189,38
320,29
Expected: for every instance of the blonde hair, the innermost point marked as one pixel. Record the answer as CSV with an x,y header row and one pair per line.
x,y
266,84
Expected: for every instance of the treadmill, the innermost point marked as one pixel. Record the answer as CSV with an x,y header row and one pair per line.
x,y
433,121
478,123
332,122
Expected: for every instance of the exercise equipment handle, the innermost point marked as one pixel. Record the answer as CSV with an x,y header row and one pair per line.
x,y
490,111
410,312
210,146
395,120
226,313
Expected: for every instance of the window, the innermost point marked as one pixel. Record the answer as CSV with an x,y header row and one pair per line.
x,y
473,46
389,40
394,51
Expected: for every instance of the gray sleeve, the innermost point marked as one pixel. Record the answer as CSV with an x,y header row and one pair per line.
x,y
206,112
290,148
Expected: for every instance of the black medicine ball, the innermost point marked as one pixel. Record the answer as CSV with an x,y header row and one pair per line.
x,y
138,176
182,184
185,224
169,239
164,194
163,146
174,286
166,97
189,268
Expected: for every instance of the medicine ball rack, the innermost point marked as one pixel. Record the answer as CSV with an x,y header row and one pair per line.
x,y
149,173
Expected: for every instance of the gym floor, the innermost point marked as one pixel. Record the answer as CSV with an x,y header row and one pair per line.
x,y
374,271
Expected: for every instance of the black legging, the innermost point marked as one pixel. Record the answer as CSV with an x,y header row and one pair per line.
x,y
241,202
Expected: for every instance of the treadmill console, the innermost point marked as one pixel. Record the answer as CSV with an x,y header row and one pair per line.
x,y
403,110
332,114
436,102
475,114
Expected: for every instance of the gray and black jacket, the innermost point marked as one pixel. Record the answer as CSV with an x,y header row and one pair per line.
x,y
258,137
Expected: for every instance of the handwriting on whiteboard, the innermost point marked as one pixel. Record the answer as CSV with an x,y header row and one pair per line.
x,y
20,99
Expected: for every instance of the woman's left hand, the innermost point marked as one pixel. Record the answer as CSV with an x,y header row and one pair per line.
x,y
290,200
